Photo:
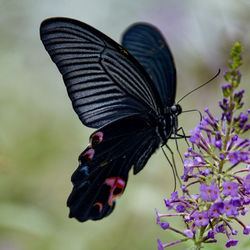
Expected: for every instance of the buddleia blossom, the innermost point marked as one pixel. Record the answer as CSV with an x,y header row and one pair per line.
x,y
218,164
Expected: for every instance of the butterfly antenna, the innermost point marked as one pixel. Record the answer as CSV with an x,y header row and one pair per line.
x,y
200,86
193,110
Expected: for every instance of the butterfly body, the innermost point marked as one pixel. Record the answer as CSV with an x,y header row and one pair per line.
x,y
125,92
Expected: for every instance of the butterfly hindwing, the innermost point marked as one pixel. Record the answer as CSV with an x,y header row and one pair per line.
x,y
104,166
148,46
104,82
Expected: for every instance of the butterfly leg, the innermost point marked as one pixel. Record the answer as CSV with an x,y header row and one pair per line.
x,y
172,164
183,135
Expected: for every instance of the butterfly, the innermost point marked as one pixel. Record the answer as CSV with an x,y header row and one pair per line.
x,y
126,92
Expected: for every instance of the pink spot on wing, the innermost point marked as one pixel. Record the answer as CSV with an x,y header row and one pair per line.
x,y
97,136
90,153
100,206
115,182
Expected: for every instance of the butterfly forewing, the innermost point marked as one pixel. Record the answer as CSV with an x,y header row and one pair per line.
x,y
150,49
104,82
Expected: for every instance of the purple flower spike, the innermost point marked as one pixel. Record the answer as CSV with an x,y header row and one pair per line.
x,y
231,243
230,188
217,163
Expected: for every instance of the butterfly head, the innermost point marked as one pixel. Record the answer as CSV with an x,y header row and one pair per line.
x,y
175,110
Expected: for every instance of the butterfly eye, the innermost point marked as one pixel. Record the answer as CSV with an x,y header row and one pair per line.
x,y
176,109
96,138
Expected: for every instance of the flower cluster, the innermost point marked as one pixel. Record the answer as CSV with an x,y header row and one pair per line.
x,y
217,164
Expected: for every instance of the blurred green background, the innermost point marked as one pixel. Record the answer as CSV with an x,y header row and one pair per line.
x,y
41,137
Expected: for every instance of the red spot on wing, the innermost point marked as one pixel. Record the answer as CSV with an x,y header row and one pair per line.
x,y
100,206
90,153
98,137
115,182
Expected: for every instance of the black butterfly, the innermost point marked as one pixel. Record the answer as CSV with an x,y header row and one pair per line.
x,y
126,92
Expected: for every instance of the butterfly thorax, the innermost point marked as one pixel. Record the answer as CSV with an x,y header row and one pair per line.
x,y
168,123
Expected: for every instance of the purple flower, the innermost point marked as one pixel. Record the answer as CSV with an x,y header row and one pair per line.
x,y
246,230
189,233
231,243
195,139
246,201
227,89
243,118
216,209
210,234
220,228
164,225
222,157
236,201
160,246
208,193
184,189
246,184
189,163
230,188
229,209
218,144
180,208
168,204
200,219
244,157
247,127
224,104
234,232
238,96
244,211
174,195
157,217
187,218
234,157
